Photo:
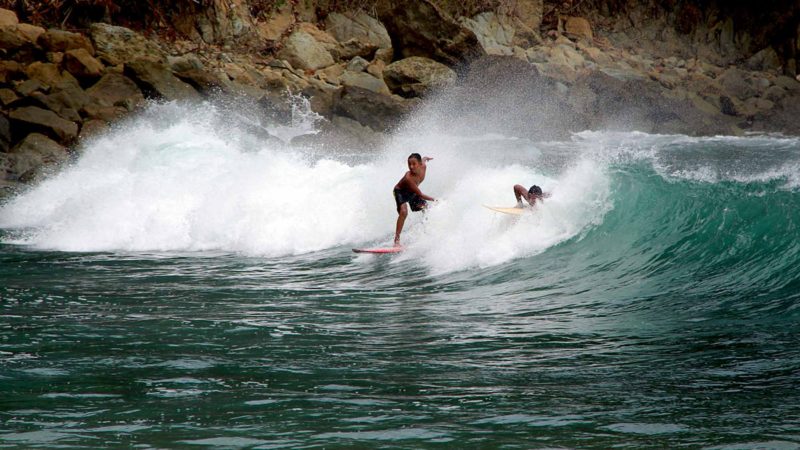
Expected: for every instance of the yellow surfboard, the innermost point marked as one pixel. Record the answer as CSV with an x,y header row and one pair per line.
x,y
514,211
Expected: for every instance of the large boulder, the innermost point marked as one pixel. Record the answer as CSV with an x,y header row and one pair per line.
x,y
202,80
642,105
494,32
82,65
60,104
766,60
216,21
156,80
115,90
377,111
34,153
413,76
47,73
359,26
60,41
10,71
734,83
33,118
7,97
11,38
8,17
17,43
118,45
354,48
30,32
365,81
782,118
420,28
304,52
578,28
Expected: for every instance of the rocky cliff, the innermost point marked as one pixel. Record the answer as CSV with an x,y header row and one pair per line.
x,y
531,67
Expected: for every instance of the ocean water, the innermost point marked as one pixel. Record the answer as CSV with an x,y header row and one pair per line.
x,y
184,284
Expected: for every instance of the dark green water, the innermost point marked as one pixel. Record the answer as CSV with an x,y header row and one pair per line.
x,y
668,320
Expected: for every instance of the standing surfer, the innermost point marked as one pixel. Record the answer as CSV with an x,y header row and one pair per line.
x,y
407,191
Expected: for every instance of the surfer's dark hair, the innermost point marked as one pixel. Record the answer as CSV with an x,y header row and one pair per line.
x,y
535,190
417,156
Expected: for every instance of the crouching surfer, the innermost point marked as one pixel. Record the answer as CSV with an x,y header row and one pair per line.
x,y
530,195
407,193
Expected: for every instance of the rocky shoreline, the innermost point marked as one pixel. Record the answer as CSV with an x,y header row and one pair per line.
x,y
365,73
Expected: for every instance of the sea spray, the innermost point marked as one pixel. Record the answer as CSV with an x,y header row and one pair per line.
x,y
187,178
191,178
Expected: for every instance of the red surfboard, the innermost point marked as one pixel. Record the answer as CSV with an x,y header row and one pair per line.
x,y
379,250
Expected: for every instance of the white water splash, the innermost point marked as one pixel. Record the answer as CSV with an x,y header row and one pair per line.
x,y
179,179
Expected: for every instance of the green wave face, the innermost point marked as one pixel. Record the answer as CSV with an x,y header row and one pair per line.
x,y
702,227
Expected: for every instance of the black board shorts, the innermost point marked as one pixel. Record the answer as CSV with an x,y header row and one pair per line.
x,y
414,201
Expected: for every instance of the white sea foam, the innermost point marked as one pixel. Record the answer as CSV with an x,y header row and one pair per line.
x,y
180,179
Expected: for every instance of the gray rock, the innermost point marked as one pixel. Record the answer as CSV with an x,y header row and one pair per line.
x,y
354,48
156,80
623,74
92,127
8,17
107,114
358,26
365,81
115,89
304,52
11,38
203,81
783,117
733,82
495,33
50,75
28,87
414,76
37,119
82,65
10,71
7,96
341,133
377,111
767,60
16,44
775,93
58,104
421,28
321,97
54,40
33,154
118,45
357,64
788,83
185,63
641,105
